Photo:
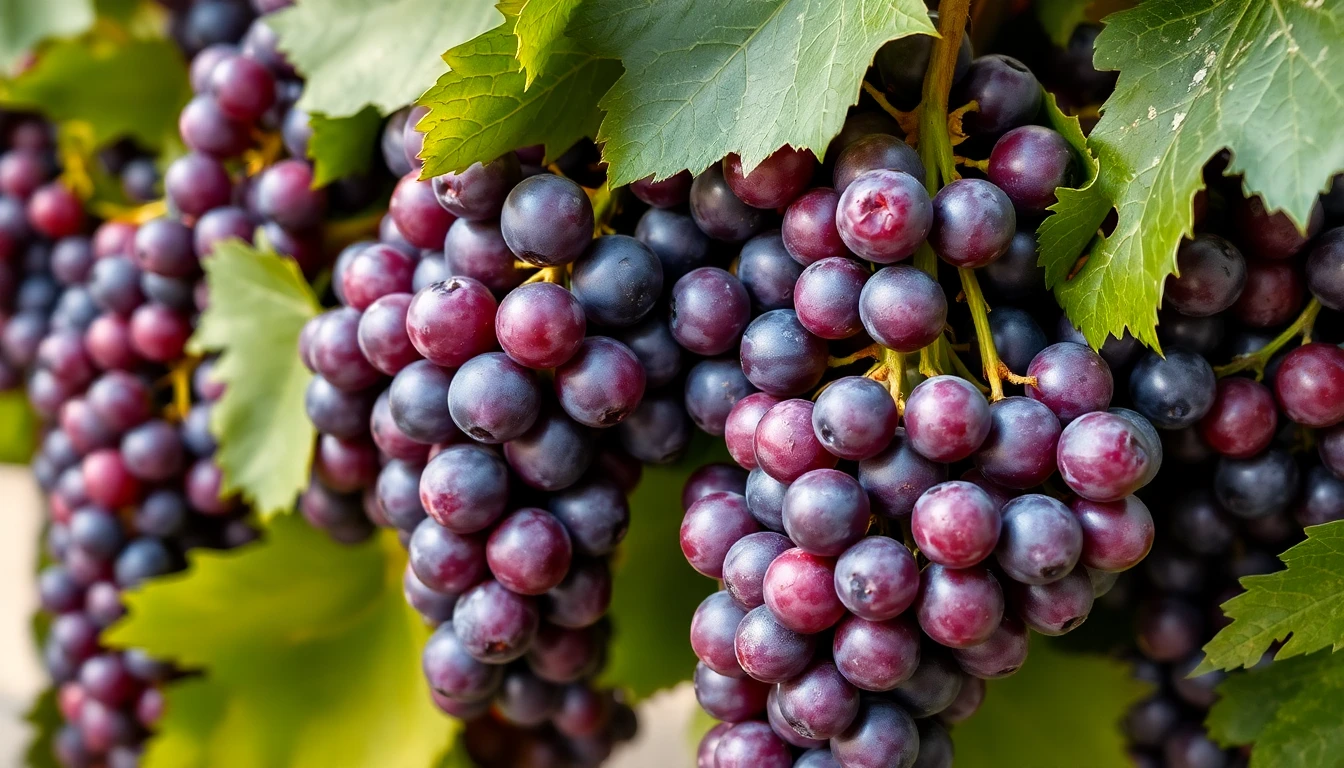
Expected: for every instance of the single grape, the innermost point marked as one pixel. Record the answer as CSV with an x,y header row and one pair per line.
x,y
826,297
1273,235
1330,446
903,62
1243,418
495,625
675,240
877,578
419,217
718,212
220,224
955,524
903,309
1257,487
1211,274
765,499
196,183
711,478
745,565
1071,380
452,322
809,231
825,511
875,151
1105,457
959,607
596,515
713,388
897,477
453,672
732,699
819,703
884,215
382,334
883,735
1016,275
711,527
476,249
478,192
713,629
1176,391
1272,296
398,494
799,591
1201,525
946,419
786,447
564,207
752,745
1000,656
658,431
444,561
529,552
1117,535
774,182
670,192
618,280
876,655
855,418
583,597
1322,498
767,650
553,454
1058,607
493,399
709,308
205,128
973,223
781,726
601,384
561,655
465,488
1028,164
418,402
1310,385
1040,541
1006,91
1325,267
334,351
1019,451
768,272
657,350
780,357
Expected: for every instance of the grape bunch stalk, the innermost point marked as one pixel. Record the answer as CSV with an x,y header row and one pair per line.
x,y
890,536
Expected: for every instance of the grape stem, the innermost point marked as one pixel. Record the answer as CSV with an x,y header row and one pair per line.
x,y
178,379
870,352
908,121
1258,359
548,275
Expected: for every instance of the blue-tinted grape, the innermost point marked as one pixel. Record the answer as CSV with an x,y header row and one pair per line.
x,y
718,212
768,272
493,399
618,280
708,309
675,239
1174,391
713,387
1006,91
547,220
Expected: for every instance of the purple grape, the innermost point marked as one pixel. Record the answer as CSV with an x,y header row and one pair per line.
x,y
781,726
825,511
382,334
153,451
1210,276
453,672
444,561
1272,235
799,591
856,417
883,735
768,272
876,655
335,351
205,128
1071,380
934,687
1040,541
553,454
786,447
711,527
718,212
561,655
1310,385
808,230
955,524
946,418
752,745
1322,498
780,357
902,308
478,192
595,514
566,211
618,280
493,399
973,223
529,552
476,249
1006,91
732,699
1019,451
713,629
451,322
418,402
1243,419
709,308
220,224
959,607
583,597
670,192
465,488
740,427
826,297
1272,296
765,499
1057,607
745,565
1028,164
897,477
658,431
601,384
196,183
1104,457
875,151
1325,267
819,703
877,578
767,650
1015,275
999,656
713,388
1176,390
1257,487
884,215
657,350
417,213
495,625
712,478
398,495
540,325
675,240
775,181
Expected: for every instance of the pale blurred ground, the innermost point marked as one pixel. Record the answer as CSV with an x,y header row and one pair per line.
x,y
664,720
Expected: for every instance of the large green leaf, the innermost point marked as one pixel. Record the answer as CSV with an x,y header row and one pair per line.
x,y
484,108
341,146
25,23
656,590
18,427
1032,718
1303,603
353,53
704,77
1197,76
310,657
540,27
1288,710
132,90
259,303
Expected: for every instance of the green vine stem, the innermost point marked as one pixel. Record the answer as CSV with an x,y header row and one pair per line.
x,y
935,143
1258,359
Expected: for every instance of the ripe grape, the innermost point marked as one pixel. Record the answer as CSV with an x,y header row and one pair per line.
x,y
1028,164
884,215
877,578
973,223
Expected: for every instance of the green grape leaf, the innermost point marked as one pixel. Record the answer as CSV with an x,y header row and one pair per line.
x,y
259,303
341,146
484,108
1198,76
731,77
1304,603
354,53
18,427
44,719
1026,715
25,23
655,590
1060,17
540,27
133,90
1288,710
310,654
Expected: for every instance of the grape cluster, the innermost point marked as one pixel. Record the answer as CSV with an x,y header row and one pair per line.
x,y
471,394
832,642
1259,439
